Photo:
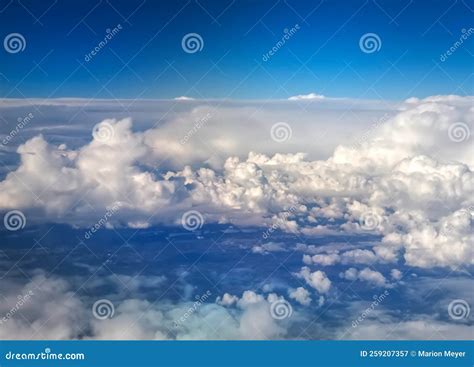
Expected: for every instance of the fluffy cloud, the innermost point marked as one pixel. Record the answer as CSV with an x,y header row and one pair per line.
x,y
47,308
300,295
407,179
317,279
367,275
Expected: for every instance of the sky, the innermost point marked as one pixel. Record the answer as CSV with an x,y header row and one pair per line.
x,y
145,59
195,177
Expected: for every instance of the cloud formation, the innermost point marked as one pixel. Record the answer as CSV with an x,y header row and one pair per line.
x,y
410,182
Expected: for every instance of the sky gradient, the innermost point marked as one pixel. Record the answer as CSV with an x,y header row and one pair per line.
x,y
145,58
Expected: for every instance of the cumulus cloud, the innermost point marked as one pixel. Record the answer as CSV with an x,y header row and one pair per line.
x,y
367,275
50,309
317,279
301,295
410,182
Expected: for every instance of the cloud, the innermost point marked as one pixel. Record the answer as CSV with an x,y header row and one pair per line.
x,y
310,96
301,295
266,248
317,279
367,275
409,181
54,311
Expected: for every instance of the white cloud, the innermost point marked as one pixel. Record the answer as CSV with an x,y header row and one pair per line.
x,y
367,275
266,248
317,279
310,96
301,295
410,179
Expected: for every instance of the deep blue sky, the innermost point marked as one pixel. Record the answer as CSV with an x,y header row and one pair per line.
x,y
322,57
